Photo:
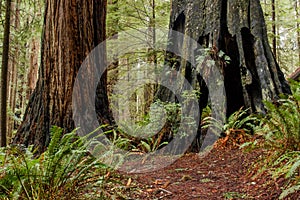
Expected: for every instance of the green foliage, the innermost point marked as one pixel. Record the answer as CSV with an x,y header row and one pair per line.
x,y
111,152
288,165
173,112
283,133
289,191
151,145
282,123
159,126
146,132
239,121
129,14
280,129
65,171
206,112
286,28
235,195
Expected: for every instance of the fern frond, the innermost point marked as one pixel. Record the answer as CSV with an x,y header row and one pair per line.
x,y
289,191
293,169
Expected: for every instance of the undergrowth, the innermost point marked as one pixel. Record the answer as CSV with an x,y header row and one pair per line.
x,y
65,170
237,128
280,130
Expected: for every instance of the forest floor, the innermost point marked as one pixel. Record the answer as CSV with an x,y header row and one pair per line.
x,y
226,172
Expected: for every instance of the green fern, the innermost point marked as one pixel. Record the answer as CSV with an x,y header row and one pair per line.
x,y
239,120
282,123
281,126
286,164
65,170
294,168
289,191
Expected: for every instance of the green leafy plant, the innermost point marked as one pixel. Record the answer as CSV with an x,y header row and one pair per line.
x,y
288,165
289,191
152,145
283,134
238,124
282,123
280,129
206,112
235,195
145,135
65,170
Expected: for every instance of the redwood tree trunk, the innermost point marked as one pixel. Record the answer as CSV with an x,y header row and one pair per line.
x,y
4,75
13,78
237,28
71,30
33,67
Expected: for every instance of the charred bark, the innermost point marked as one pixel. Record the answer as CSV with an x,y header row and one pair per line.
x,y
237,28
71,30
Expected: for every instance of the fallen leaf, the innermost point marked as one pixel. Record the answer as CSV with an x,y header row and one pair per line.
x,y
128,182
166,184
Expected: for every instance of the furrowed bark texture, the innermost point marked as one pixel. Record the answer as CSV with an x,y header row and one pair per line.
x,y
237,28
71,30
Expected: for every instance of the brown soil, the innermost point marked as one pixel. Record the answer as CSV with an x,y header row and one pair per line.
x,y
224,173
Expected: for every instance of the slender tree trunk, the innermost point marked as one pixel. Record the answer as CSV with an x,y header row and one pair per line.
x,y
113,70
4,71
10,75
71,30
1,9
150,89
274,40
21,93
278,51
14,72
12,96
153,26
298,28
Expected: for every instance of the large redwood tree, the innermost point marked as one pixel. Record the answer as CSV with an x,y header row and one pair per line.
x,y
71,30
236,28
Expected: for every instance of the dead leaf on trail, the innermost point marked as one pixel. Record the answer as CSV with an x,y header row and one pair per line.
x,y
128,182
150,190
107,175
166,184
158,182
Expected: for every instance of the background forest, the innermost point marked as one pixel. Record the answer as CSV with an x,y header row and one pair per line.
x,y
282,19
26,27
66,168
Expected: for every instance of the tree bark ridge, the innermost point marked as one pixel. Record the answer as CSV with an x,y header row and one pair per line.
x,y
71,30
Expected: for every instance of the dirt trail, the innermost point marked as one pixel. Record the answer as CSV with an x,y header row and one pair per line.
x,y
224,173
